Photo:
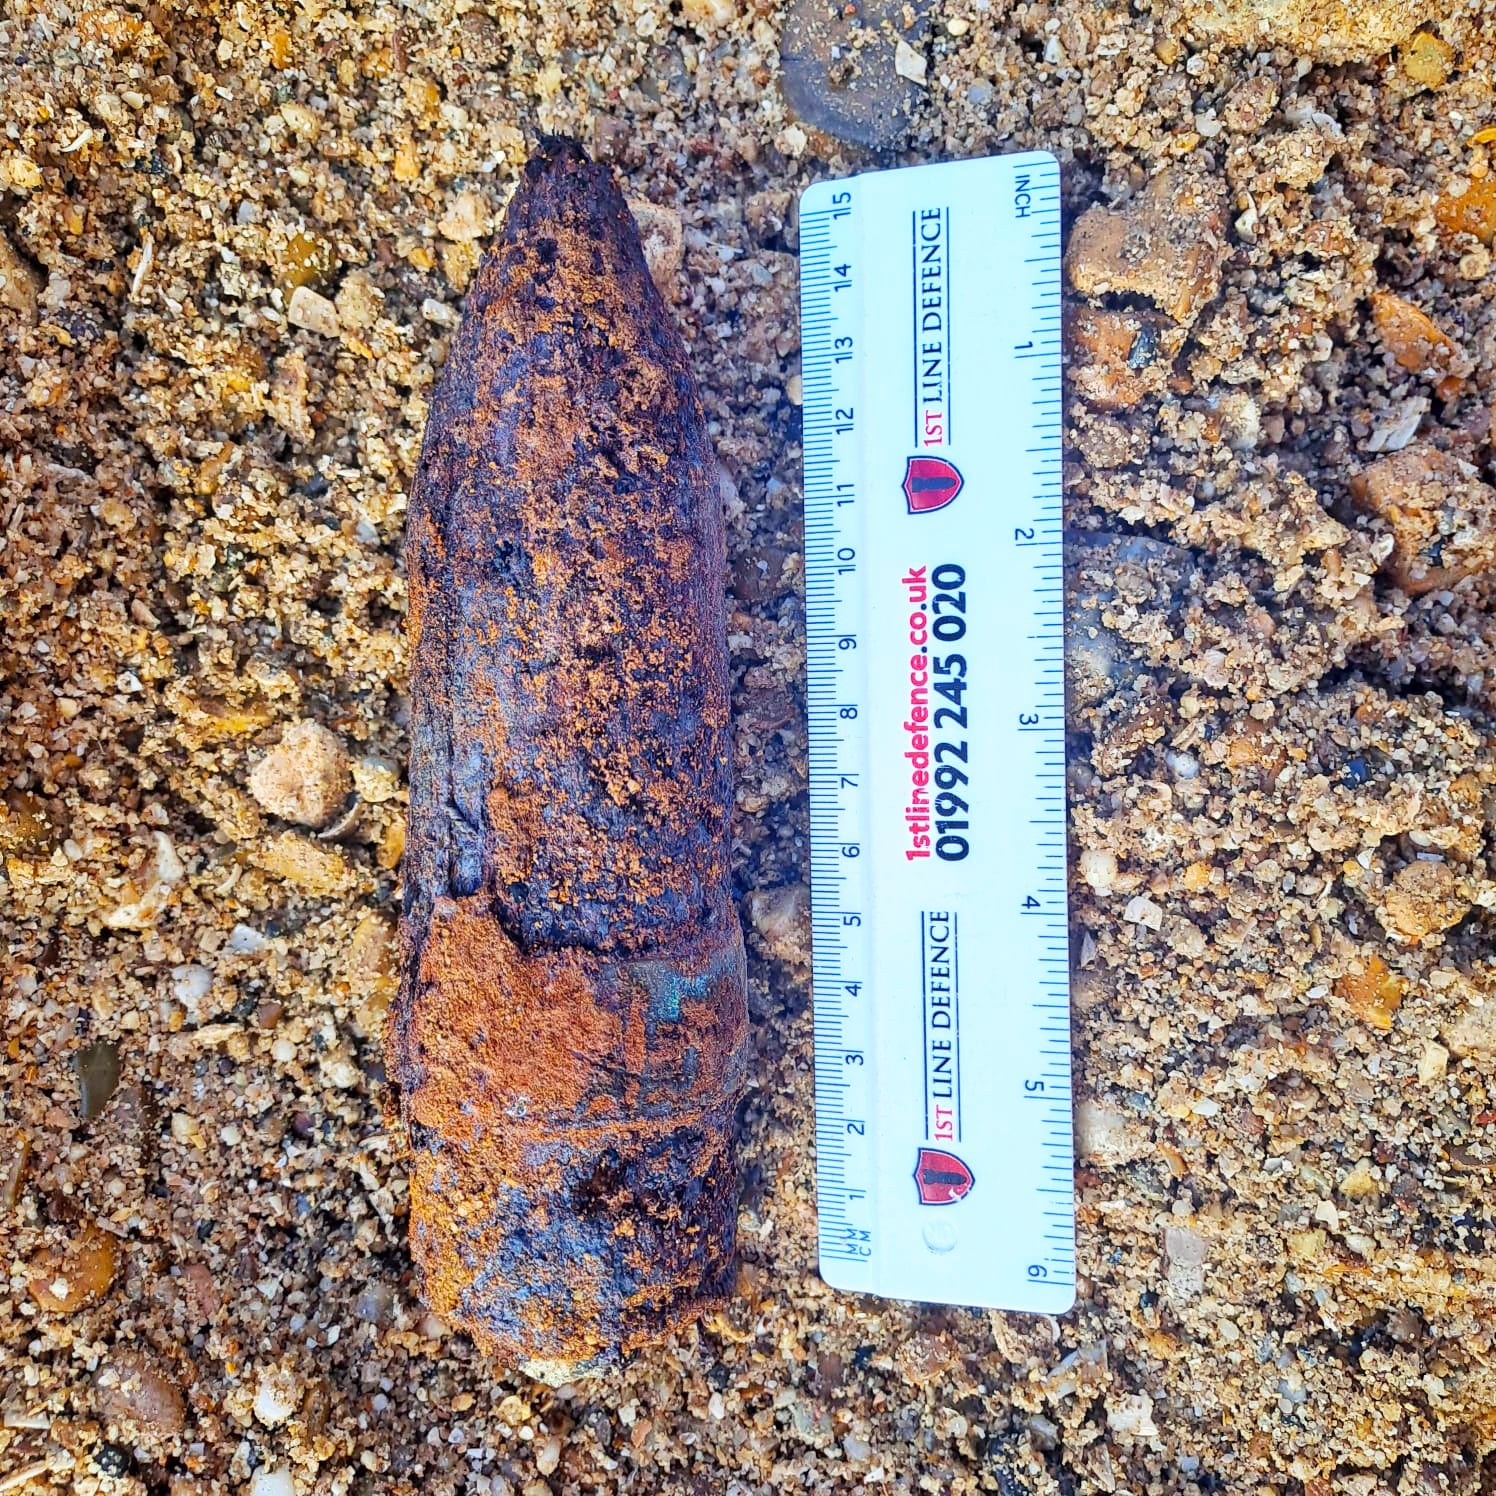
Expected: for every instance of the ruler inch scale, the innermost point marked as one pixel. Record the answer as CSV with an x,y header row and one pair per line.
x,y
930,358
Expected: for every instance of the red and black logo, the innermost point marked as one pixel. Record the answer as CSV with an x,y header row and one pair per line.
x,y
930,483
941,1177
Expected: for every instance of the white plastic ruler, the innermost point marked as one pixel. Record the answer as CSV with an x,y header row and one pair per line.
x,y
930,362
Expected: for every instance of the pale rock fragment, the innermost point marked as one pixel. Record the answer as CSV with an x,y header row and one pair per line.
x,y
1132,1416
1397,427
305,778
1185,1253
147,895
1143,911
277,1396
190,985
1085,1369
781,916
1433,1063
18,289
313,311
663,237
708,15
548,1455
1472,1036
1099,868
272,1481
1441,515
1423,898
301,120
908,63
1321,30
1168,244
465,220
1109,1136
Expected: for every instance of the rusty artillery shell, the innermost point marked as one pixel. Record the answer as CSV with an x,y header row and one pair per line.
x,y
570,1028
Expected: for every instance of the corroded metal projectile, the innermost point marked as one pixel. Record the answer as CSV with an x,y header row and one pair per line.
x,y
570,1030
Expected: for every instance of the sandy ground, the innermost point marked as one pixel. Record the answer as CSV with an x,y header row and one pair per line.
x,y
235,244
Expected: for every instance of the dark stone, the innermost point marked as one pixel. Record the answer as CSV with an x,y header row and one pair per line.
x,y
838,68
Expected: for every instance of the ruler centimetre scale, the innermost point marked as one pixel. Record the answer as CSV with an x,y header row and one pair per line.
x,y
930,360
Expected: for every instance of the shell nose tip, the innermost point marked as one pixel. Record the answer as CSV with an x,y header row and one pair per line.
x,y
555,153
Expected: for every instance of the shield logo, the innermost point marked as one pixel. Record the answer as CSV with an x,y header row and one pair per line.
x,y
941,1177
930,483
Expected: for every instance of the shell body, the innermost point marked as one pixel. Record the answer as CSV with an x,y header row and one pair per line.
x,y
570,1029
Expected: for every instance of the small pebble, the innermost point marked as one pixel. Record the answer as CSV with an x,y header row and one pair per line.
x,y
1413,338
1472,211
708,15
908,63
1185,1252
244,940
781,916
1132,1416
66,1279
1114,355
376,780
1168,243
1099,869
839,70
1423,898
1433,1063
1428,59
308,260
1440,513
190,985
1250,104
1373,992
97,1066
547,1454
1143,911
1295,158
305,778
146,895
112,1459
466,218
375,1304
277,1396
1472,1035
514,1411
663,237
273,1481
313,311
131,1387
313,868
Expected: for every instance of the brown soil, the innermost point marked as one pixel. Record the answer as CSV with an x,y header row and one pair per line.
x,y
235,244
